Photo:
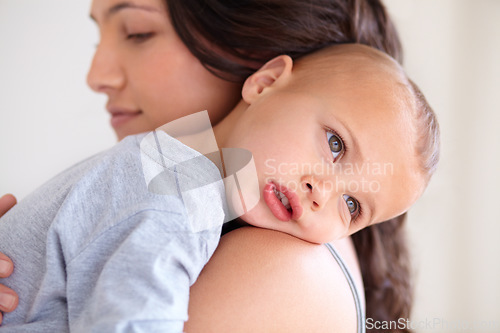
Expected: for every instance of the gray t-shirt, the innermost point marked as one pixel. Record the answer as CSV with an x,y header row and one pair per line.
x,y
96,251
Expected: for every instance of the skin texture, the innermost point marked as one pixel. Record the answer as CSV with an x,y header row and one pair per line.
x,y
265,281
286,120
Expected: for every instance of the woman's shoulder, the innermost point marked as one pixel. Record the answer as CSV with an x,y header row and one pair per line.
x,y
264,281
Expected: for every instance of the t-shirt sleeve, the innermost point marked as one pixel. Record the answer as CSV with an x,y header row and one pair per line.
x,y
145,266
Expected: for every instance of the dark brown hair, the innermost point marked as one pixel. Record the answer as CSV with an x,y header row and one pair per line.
x,y
234,38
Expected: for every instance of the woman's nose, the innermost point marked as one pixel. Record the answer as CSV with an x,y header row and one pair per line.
x,y
105,73
318,191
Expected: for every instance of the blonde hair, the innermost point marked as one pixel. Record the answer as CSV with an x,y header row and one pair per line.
x,y
427,131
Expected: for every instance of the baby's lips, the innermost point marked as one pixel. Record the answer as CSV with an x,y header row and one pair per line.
x,y
294,201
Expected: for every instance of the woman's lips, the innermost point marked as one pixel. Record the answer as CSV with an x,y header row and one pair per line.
x,y
277,207
120,117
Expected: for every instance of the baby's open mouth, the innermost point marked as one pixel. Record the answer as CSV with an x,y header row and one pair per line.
x,y
283,199
280,201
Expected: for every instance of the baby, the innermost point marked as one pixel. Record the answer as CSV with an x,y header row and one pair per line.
x,y
342,139
333,137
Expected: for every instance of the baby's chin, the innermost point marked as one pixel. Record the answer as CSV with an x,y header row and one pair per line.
x,y
293,228
243,204
260,218
254,217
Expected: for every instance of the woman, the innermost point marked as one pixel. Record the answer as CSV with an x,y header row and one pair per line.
x,y
156,62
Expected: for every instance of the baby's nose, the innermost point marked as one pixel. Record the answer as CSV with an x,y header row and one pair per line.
x,y
318,191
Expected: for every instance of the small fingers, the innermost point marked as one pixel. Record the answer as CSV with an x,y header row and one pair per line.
x,y
7,202
6,266
8,299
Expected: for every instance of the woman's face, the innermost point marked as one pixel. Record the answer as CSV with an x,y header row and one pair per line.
x,y
148,74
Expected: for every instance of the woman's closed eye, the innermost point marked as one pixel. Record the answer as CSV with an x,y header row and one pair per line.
x,y
140,37
335,144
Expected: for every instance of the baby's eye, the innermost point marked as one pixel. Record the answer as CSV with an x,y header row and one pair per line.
x,y
352,205
336,145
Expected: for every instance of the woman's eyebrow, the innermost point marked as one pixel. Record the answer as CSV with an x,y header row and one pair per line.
x,y
125,5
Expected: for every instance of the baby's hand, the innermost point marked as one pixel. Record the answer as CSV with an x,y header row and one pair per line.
x,y
6,202
8,297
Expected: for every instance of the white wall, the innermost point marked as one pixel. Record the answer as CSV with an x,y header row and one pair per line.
x,y
49,119
452,51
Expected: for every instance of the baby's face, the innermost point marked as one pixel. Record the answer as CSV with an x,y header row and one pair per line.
x,y
333,156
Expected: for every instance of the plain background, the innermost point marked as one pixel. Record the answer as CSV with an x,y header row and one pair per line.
x,y
49,120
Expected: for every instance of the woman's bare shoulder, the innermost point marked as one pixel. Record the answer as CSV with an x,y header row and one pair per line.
x,y
265,281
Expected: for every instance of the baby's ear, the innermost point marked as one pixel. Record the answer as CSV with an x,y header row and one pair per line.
x,y
274,72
